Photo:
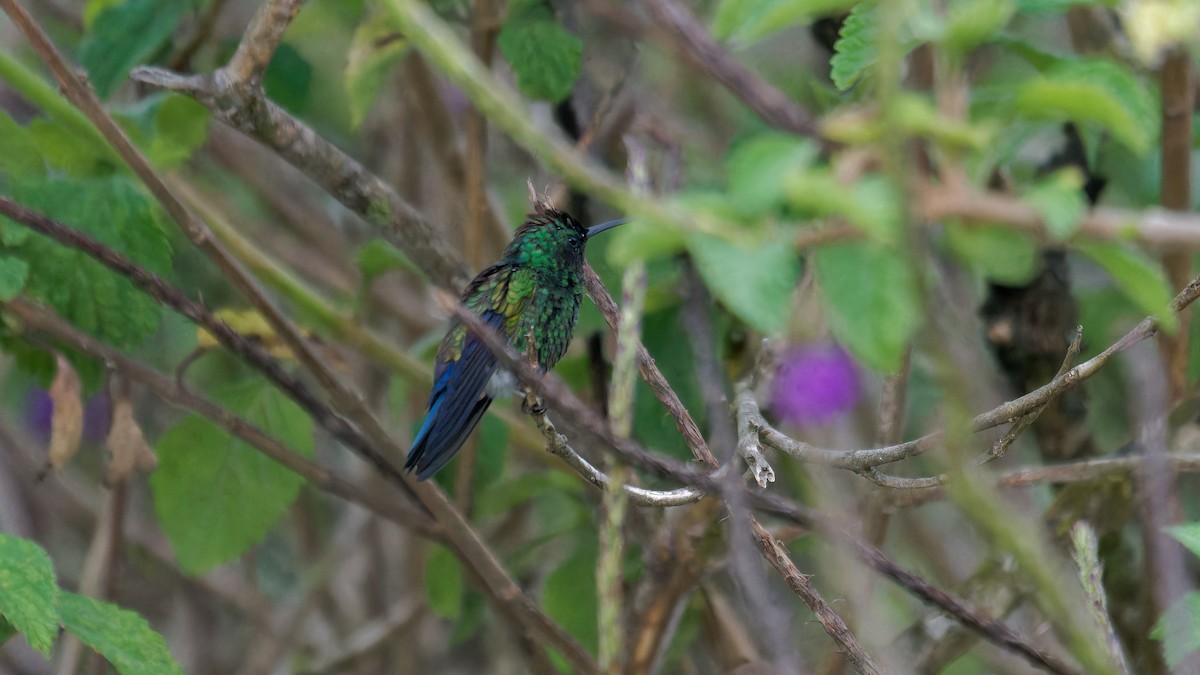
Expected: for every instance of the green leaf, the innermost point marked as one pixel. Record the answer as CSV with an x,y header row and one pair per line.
x,y
113,211
215,495
181,127
1093,91
971,23
288,79
444,584
642,240
569,596
167,127
19,156
13,272
544,56
854,51
663,335
6,630
1187,534
493,450
872,204
374,49
871,296
1179,629
125,35
1055,6
999,253
122,637
1139,277
748,21
62,148
28,591
753,283
1060,201
377,257
759,168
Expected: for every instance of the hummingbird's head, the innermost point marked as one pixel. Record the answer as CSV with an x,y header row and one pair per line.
x,y
552,238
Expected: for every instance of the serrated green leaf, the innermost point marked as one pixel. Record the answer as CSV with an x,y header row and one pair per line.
x,y
181,127
215,495
122,637
1139,277
13,273
288,79
374,49
19,156
64,149
1060,201
125,35
759,168
854,50
113,211
444,584
748,21
1179,629
999,253
1187,534
544,56
870,294
1093,91
753,283
569,596
28,591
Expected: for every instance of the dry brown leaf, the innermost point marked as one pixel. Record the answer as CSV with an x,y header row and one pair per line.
x,y
127,446
66,422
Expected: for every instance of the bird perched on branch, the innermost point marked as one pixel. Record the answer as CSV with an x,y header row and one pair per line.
x,y
532,292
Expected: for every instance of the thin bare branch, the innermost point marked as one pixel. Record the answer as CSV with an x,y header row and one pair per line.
x,y
261,39
689,37
651,374
833,624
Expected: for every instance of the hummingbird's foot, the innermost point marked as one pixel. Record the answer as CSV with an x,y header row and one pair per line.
x,y
532,404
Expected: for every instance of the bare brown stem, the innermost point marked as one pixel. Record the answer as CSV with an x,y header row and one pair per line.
x,y
833,624
689,37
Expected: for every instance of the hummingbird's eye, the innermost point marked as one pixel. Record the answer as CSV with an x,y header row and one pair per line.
x,y
574,241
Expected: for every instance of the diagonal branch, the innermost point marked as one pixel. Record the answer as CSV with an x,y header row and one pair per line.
x,y
689,38
260,41
651,374
777,556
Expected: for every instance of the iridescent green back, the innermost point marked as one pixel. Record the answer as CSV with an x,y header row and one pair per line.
x,y
536,286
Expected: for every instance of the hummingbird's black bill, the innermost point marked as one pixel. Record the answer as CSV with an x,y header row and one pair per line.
x,y
597,229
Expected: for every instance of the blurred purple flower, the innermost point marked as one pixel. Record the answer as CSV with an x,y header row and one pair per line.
x,y
816,383
39,409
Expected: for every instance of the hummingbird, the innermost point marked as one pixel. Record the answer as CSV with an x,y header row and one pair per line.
x,y
533,294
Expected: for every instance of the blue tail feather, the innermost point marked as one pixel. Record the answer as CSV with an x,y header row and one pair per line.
x,y
456,404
